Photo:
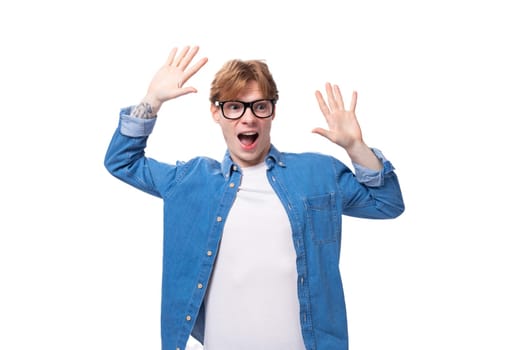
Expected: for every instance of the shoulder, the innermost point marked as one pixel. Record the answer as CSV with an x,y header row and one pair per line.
x,y
198,165
313,164
201,162
321,163
308,158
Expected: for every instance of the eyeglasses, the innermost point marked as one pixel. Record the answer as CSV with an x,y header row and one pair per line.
x,y
235,109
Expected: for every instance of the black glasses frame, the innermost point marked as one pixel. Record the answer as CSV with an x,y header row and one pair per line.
x,y
246,105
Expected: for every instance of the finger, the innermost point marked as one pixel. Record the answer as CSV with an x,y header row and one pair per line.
x,y
188,58
339,98
180,56
330,96
171,56
322,132
354,102
195,68
322,104
186,90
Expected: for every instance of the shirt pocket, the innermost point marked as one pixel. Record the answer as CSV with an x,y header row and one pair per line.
x,y
323,221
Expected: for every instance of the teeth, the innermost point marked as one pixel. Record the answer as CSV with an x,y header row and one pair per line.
x,y
249,133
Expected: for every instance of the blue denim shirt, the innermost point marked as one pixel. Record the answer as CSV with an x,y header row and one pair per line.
x,y
315,189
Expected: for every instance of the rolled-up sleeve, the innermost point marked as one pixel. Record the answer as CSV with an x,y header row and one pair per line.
x,y
373,178
135,127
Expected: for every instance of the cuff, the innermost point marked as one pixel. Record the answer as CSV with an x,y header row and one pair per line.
x,y
135,127
373,178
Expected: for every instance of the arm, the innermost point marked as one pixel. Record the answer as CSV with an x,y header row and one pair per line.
x,y
125,157
379,194
368,193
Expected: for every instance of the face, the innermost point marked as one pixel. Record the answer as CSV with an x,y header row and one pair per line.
x,y
247,138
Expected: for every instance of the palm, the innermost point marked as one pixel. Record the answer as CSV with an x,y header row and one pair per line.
x,y
168,82
343,127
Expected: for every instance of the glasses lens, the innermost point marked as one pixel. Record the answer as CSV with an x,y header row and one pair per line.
x,y
262,108
236,109
232,109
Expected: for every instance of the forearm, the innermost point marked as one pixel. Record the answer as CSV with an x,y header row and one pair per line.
x,y
382,186
386,200
129,141
361,154
147,108
125,156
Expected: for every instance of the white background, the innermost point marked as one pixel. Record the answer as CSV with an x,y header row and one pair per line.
x,y
441,91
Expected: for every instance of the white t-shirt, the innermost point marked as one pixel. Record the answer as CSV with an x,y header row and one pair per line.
x,y
252,301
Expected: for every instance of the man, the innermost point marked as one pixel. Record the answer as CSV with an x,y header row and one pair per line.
x,y
251,244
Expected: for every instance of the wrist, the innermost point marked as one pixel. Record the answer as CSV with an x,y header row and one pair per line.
x,y
361,154
143,110
355,148
153,102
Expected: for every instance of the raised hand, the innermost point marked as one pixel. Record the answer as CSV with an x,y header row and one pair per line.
x,y
343,127
168,82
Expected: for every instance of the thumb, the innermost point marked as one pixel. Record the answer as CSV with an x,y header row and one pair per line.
x,y
184,91
322,132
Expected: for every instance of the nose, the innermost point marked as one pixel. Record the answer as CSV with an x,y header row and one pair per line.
x,y
248,116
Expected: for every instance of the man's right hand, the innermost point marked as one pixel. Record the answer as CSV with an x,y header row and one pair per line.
x,y
168,82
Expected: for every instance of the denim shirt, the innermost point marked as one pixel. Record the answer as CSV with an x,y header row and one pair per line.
x,y
315,190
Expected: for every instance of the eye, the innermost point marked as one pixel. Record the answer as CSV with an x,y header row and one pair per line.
x,y
262,106
233,106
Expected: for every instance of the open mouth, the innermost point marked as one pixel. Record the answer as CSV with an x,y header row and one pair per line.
x,y
247,139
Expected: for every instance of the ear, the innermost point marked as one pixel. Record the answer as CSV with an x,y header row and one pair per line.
x,y
215,112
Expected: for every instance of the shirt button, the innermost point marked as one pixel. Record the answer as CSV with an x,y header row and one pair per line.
x,y
281,164
209,253
219,218
188,318
235,168
232,185
199,285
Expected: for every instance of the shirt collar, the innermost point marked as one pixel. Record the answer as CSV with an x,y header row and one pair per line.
x,y
272,158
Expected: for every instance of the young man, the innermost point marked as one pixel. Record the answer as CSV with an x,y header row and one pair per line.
x,y
251,244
